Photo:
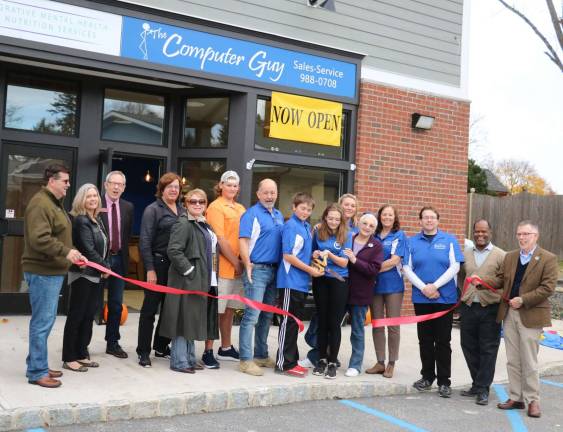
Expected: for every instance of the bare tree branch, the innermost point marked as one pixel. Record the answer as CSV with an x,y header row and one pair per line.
x,y
551,53
556,21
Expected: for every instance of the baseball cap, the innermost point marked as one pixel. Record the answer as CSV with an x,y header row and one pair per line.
x,y
230,175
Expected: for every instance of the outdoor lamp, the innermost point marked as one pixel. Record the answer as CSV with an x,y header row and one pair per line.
x,y
325,4
420,121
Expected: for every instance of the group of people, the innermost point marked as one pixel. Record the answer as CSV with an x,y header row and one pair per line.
x,y
356,263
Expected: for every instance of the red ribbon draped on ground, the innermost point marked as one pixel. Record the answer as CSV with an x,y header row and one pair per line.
x,y
168,290
382,322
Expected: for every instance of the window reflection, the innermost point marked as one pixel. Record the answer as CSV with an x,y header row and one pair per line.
x,y
41,105
133,117
207,122
203,174
323,185
264,142
24,179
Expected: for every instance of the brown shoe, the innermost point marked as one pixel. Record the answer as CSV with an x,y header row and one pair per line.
x,y
534,409
510,404
389,371
55,373
46,382
378,368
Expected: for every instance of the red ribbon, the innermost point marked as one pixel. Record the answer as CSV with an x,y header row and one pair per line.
x,y
168,290
382,322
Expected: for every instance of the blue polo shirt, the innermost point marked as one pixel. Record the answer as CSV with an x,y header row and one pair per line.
x,y
336,248
429,260
264,231
353,228
296,240
391,281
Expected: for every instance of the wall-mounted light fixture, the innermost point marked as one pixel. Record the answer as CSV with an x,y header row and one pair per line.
x,y
420,121
148,176
325,4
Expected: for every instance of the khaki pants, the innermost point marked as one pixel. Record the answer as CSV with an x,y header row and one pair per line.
x,y
387,306
522,346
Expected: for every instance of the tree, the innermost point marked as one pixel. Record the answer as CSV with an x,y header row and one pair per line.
x,y
64,110
519,176
557,22
476,178
478,140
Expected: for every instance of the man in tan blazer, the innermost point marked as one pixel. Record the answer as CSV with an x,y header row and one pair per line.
x,y
528,277
480,332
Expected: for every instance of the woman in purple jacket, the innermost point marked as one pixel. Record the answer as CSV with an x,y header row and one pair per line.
x,y
364,262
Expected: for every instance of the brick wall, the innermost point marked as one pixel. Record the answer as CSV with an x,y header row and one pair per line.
x,y
410,168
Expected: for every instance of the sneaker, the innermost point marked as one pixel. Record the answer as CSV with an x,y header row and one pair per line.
x,y
330,371
445,391
250,368
299,373
163,354
229,354
320,368
302,368
209,361
305,363
145,361
351,372
422,384
265,362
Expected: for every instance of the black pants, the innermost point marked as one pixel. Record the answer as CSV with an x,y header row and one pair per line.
x,y
331,296
151,303
292,301
480,339
80,319
434,337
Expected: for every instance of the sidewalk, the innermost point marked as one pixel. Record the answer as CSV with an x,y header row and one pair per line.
x,y
121,389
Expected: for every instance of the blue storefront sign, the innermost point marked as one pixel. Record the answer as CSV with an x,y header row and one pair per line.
x,y
189,49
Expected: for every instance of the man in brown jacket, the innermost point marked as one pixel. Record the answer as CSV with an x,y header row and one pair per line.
x,y
480,333
528,277
47,255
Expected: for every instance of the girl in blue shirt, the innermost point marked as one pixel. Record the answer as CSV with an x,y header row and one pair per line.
x,y
389,288
331,290
349,204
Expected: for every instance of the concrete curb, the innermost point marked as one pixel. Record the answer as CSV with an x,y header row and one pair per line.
x,y
193,403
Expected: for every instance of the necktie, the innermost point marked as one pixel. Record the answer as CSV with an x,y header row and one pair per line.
x,y
114,230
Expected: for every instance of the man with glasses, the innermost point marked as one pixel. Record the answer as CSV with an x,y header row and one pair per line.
x,y
528,277
260,250
47,255
118,221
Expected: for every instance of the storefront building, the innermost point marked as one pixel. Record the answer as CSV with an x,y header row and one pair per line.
x,y
319,101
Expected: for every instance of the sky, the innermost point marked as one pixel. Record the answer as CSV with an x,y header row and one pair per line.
x,y
515,89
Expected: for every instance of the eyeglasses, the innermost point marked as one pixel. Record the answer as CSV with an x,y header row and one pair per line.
x,y
120,185
65,181
195,202
525,234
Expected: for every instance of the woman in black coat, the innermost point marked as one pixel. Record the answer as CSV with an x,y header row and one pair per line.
x,y
90,238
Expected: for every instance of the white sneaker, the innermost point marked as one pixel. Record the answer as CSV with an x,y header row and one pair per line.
x,y
306,363
351,372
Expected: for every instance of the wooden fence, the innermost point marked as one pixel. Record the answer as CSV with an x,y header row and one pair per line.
x,y
504,213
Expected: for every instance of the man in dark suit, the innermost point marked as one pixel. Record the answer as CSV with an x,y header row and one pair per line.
x,y
118,221
528,277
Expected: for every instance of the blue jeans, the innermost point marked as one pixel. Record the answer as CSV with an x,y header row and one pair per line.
x,y
44,298
261,289
311,339
115,288
182,353
358,318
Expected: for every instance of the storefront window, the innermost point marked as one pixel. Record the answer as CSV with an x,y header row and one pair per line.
x,y
202,174
324,185
264,142
41,105
207,121
133,117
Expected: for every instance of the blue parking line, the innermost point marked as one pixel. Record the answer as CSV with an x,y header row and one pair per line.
x,y
36,430
513,416
553,383
383,416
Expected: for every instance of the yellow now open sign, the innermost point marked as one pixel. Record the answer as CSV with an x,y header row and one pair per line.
x,y
300,118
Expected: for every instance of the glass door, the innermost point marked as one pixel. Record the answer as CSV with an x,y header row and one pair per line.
x,y
21,176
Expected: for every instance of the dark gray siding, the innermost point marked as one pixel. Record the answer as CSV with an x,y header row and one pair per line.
x,y
418,38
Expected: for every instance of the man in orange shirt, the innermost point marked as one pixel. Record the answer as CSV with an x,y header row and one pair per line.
x,y
223,215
